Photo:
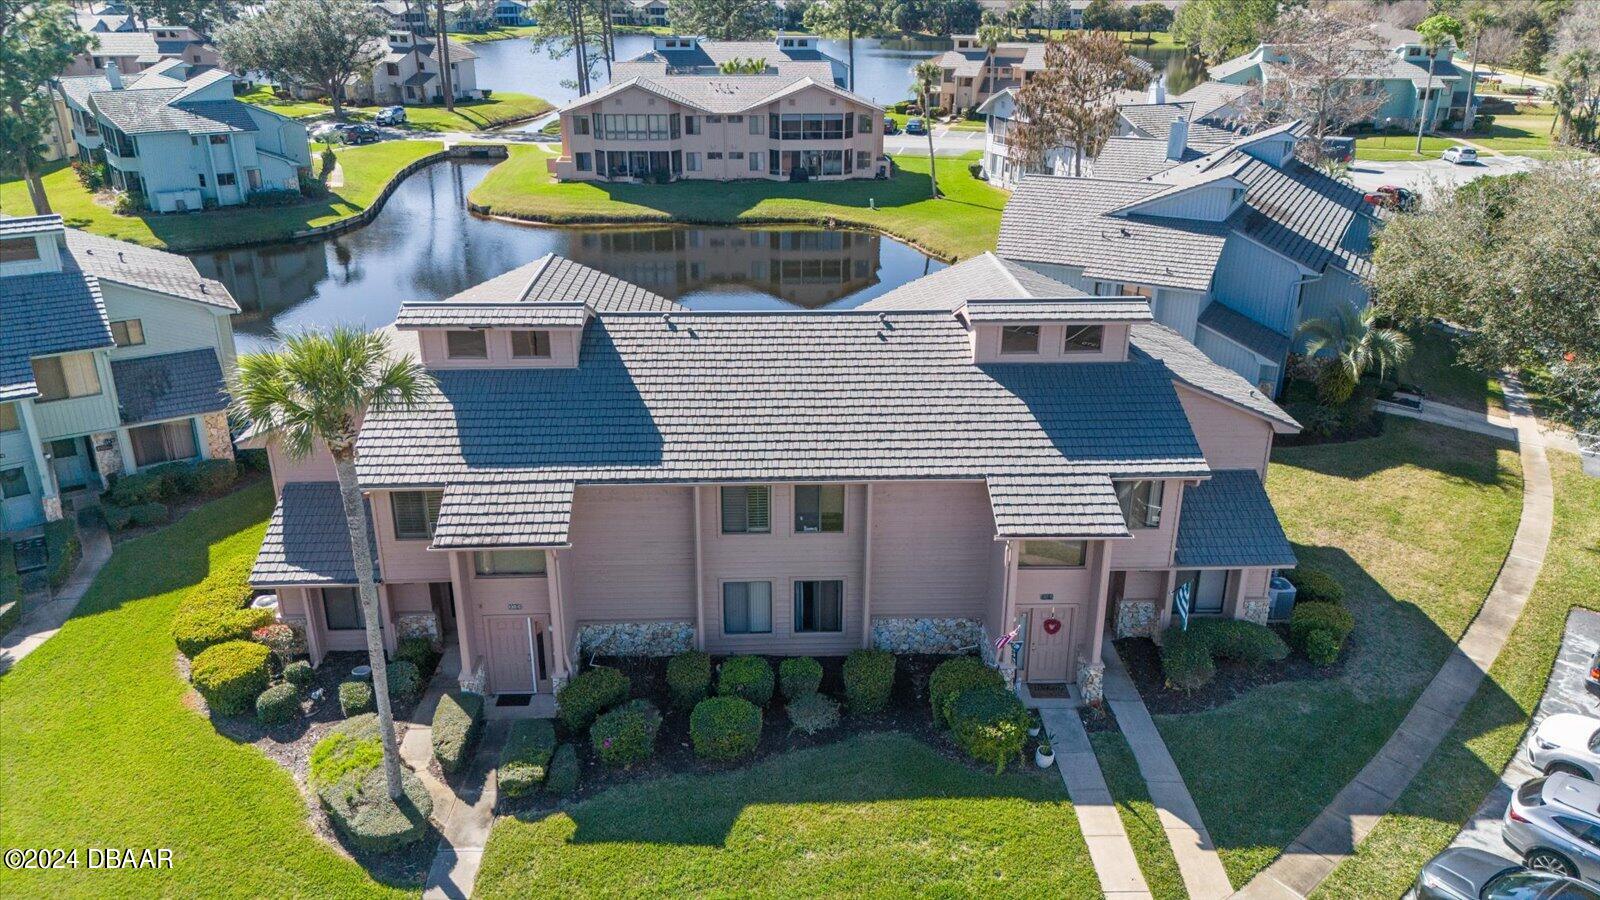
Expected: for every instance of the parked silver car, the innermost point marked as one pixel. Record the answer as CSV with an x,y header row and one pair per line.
x,y
1554,825
1466,873
1567,742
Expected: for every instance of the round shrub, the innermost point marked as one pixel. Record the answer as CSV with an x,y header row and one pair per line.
x,y
404,682
213,476
799,676
562,780
725,728
749,677
1186,660
355,697
525,758
278,704
813,713
589,694
1322,648
352,746
300,674
1312,617
456,724
990,723
1240,641
419,652
285,641
362,809
214,613
117,517
954,676
1315,585
627,734
868,678
132,490
688,678
231,675
149,513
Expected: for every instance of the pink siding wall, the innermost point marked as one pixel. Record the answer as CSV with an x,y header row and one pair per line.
x,y
404,560
563,350
1152,547
316,466
1113,347
632,556
1230,437
933,550
783,558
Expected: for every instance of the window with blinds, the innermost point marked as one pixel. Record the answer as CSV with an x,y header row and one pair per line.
x,y
466,344
65,377
747,509
530,344
818,606
747,607
415,513
166,442
818,508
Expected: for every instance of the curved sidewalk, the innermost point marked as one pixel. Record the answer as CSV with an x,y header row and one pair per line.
x,y
1334,834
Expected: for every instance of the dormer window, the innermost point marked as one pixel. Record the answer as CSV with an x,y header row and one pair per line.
x,y
1019,339
1140,502
466,345
18,250
530,344
1084,339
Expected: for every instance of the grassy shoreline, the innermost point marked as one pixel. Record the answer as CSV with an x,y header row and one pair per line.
x,y
502,108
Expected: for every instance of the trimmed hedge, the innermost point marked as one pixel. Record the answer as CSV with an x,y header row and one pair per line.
x,y
353,745
300,674
361,808
813,713
1188,658
563,778
10,583
587,695
990,723
749,677
419,652
525,758
799,676
1319,629
355,698
404,683
953,676
214,611
455,729
1186,661
130,490
868,678
688,678
1322,648
231,675
278,704
725,728
627,734
1315,586
62,550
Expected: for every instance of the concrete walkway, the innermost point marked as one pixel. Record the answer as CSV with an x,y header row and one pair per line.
x,y
1109,850
44,619
1341,826
1204,878
464,813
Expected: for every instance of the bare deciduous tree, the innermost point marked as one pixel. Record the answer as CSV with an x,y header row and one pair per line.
x,y
1069,103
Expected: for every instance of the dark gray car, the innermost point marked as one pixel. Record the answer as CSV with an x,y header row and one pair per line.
x,y
1465,873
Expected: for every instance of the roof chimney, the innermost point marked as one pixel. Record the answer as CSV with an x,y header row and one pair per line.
x,y
113,76
1178,140
1158,89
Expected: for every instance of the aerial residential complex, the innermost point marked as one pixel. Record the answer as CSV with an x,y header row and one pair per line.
x,y
409,72
972,75
111,360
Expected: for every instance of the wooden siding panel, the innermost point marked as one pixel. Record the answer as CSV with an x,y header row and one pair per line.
x,y
1257,283
1229,437
933,550
404,560
632,556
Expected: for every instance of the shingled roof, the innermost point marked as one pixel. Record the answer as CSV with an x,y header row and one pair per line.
x,y
984,275
500,514
1056,506
556,279
169,385
143,267
1228,522
45,314
719,93
307,541
148,111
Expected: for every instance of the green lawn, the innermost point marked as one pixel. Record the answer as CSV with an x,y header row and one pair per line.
x,y
1139,818
959,125
470,115
877,814
1520,135
1385,516
99,747
493,34
1433,367
1469,761
366,170
966,221
1392,147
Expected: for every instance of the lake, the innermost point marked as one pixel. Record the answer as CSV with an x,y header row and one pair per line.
x,y
424,245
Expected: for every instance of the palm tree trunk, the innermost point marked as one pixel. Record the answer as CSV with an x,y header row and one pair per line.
x,y
933,174
1422,111
1472,85
355,517
445,82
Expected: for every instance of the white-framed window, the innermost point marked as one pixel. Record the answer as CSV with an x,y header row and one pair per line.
x,y
818,508
747,509
1019,339
466,344
66,377
755,161
583,162
14,483
530,344
747,607
1141,502
491,563
128,332
415,513
1084,339
691,161
818,606
755,124
18,250
341,609
1053,554
165,442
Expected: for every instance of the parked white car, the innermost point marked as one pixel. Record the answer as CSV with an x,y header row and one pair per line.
x,y
1567,742
1461,155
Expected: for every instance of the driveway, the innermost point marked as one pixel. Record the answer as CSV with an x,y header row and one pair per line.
x,y
1565,693
946,142
1420,174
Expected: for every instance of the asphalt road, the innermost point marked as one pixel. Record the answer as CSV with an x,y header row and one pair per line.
x,y
1424,175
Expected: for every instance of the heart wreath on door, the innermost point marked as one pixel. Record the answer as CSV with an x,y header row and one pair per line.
x,y
1052,625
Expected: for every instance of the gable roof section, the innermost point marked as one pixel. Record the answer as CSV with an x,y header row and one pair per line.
x,y
138,44
491,315
127,263
169,385
1244,331
142,111
499,514
1207,97
1086,309
556,279
1306,216
1135,158
42,315
77,88
307,542
984,275
1228,522
1152,340
50,223
718,94
1055,506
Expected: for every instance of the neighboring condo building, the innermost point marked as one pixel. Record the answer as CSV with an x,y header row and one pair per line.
x,y
408,73
118,41
596,469
972,75
112,359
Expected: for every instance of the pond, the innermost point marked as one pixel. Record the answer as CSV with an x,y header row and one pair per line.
x,y
424,245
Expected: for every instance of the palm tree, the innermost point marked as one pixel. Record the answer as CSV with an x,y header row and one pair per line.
x,y
1355,344
928,76
990,34
314,392
1434,30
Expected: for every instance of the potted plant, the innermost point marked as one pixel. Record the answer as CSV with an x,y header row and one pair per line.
x,y
1043,756
1033,725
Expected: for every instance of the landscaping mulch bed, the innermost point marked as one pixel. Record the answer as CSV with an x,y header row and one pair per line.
x,y
1143,659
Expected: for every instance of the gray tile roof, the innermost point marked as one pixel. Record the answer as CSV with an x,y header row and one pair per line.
x,y
556,279
143,267
1135,158
1055,506
708,55
45,314
1209,96
1187,364
502,514
1227,521
1087,309
77,88
141,44
169,385
1155,120
1307,216
11,226
1244,331
984,275
781,396
307,541
150,111
490,315
719,94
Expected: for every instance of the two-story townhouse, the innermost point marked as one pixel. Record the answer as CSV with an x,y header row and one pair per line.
x,y
1401,73
409,72
972,74
786,54
720,128
133,50
175,135
646,13
112,359
597,470
1235,248
513,14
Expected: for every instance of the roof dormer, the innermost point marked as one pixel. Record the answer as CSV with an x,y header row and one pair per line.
x,y
496,335
1068,330
676,42
30,245
796,41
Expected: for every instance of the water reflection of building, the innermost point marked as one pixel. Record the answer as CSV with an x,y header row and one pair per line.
x,y
266,280
805,267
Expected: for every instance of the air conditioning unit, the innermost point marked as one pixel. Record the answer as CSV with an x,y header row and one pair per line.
x,y
1280,593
